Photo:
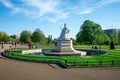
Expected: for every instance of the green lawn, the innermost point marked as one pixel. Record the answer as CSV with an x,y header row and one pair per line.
x,y
111,58
51,46
90,46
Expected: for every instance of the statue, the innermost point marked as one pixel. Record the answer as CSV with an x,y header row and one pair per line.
x,y
64,33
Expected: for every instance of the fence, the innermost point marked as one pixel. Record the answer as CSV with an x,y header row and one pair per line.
x,y
92,63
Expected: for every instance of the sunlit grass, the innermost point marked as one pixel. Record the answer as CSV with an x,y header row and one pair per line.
x,y
106,59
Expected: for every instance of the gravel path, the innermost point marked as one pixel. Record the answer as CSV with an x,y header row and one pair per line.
x,y
20,70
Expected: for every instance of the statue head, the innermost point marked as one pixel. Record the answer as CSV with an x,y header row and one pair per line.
x,y
64,24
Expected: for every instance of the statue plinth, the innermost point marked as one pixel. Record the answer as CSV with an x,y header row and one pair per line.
x,y
63,46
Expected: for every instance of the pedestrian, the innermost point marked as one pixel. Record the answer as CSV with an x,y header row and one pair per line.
x,y
10,46
12,43
32,44
15,44
36,45
2,45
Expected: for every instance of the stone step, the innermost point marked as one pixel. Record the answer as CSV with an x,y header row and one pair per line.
x,y
55,66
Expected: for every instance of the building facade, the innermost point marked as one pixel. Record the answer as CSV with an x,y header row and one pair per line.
x,y
112,32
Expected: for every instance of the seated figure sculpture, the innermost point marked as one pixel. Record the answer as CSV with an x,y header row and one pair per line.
x,y
63,45
64,33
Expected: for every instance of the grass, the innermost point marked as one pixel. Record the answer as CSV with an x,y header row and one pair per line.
x,y
70,61
90,46
106,59
111,58
27,57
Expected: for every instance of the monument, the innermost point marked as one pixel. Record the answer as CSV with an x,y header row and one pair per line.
x,y
63,45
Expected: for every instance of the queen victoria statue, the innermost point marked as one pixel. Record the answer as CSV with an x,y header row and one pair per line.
x,y
64,33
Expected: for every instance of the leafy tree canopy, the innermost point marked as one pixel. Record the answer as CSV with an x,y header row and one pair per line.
x,y
25,36
88,32
38,36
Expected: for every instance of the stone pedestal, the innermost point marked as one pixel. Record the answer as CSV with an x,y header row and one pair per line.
x,y
63,46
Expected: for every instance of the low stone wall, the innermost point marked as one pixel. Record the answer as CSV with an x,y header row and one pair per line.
x,y
31,51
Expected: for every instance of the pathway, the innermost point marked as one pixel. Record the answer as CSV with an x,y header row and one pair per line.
x,y
20,70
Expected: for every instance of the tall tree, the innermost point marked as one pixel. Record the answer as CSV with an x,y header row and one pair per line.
x,y
49,39
88,31
38,36
25,36
1,36
4,37
118,36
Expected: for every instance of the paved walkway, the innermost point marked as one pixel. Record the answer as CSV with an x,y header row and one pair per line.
x,y
7,46
20,70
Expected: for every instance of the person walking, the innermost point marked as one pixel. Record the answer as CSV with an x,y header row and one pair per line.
x,y
2,45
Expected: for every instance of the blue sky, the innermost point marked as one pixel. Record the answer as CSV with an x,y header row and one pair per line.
x,y
50,15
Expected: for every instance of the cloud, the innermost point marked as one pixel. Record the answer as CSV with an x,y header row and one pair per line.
x,y
87,11
92,5
58,16
8,4
105,2
54,10
41,6
37,9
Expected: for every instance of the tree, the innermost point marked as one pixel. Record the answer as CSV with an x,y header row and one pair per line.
x,y
1,36
113,39
25,36
106,39
49,39
112,45
88,31
118,36
38,36
74,41
99,39
4,37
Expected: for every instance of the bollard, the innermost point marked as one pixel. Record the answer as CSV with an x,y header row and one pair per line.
x,y
100,63
87,63
113,62
74,63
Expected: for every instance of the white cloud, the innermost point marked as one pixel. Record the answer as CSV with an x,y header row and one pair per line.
x,y
47,9
53,10
41,6
92,5
104,2
38,9
8,4
58,16
87,11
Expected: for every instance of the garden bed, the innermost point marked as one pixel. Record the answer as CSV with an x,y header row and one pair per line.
x,y
111,58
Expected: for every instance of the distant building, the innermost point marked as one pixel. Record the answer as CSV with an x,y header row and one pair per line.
x,y
50,36
112,32
14,37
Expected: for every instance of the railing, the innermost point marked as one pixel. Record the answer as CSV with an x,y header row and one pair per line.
x,y
96,63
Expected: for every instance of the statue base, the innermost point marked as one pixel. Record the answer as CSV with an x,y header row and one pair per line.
x,y
63,46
